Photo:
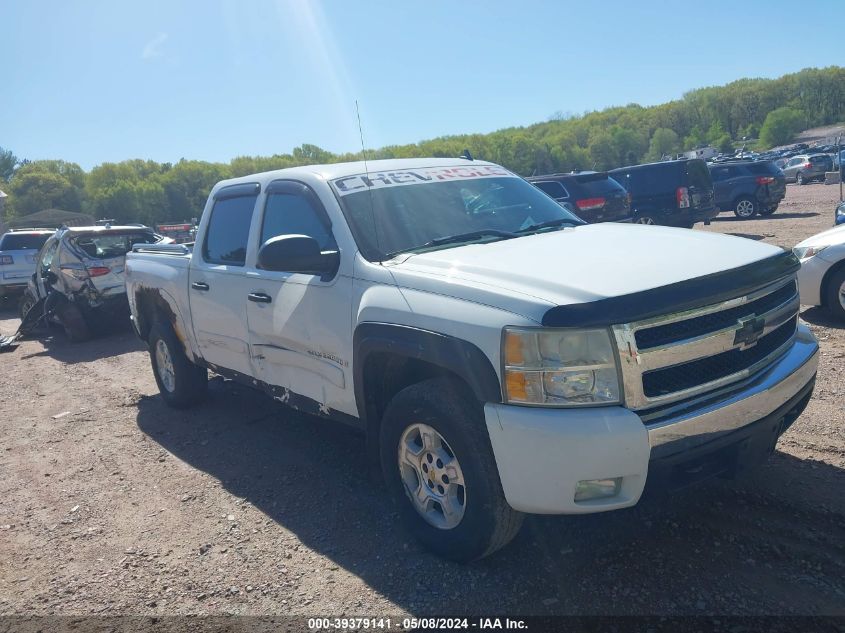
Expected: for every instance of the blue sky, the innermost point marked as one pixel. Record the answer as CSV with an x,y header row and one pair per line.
x,y
94,80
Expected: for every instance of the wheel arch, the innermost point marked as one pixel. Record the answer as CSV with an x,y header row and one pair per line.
x,y
155,304
830,272
387,358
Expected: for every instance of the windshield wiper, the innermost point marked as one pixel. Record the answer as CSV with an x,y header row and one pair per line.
x,y
458,238
550,224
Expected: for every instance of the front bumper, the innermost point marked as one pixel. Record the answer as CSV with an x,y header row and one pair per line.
x,y
543,453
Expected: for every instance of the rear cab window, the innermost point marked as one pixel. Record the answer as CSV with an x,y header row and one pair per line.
x,y
698,175
23,241
820,159
108,245
552,188
652,179
598,186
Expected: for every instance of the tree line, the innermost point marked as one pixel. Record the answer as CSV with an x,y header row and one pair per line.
x,y
771,110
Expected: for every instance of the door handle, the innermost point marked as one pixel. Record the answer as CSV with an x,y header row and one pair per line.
x,y
259,297
199,285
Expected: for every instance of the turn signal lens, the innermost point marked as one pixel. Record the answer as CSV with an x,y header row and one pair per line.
x,y
516,385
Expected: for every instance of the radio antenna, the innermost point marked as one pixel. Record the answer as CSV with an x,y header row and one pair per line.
x,y
367,172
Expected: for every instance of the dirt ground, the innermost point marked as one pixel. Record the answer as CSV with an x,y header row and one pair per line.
x,y
111,503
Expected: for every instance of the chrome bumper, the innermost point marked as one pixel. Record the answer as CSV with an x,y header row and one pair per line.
x,y
780,382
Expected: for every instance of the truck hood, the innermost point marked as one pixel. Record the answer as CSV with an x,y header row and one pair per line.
x,y
577,265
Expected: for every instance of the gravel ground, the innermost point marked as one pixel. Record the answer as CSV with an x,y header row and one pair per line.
x,y
114,504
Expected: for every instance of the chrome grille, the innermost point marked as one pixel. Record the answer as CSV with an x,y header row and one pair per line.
x,y
676,356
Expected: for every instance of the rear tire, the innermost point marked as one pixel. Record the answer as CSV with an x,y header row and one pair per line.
x,y
834,294
73,322
746,207
799,179
432,437
25,304
180,382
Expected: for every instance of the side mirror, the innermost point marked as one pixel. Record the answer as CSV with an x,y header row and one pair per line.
x,y
49,278
297,254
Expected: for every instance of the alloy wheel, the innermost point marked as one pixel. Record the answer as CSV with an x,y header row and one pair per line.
x,y
164,365
745,208
432,476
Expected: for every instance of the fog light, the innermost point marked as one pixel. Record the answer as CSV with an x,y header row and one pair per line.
x,y
588,489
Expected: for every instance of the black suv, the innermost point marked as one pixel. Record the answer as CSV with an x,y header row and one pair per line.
x,y
748,188
591,195
673,192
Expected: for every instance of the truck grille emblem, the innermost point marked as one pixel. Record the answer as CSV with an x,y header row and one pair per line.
x,y
749,331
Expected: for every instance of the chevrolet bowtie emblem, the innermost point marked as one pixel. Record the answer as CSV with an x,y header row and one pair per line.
x,y
750,329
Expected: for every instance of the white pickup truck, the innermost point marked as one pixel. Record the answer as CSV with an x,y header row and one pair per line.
x,y
501,356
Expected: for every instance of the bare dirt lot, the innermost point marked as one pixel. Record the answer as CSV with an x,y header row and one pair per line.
x,y
111,503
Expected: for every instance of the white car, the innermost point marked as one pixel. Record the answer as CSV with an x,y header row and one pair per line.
x,y
822,276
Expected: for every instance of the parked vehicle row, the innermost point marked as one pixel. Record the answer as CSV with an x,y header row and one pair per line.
x,y
482,336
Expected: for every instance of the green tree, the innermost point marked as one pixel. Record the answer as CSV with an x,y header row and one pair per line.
x,y
187,185
725,144
130,191
38,190
780,126
8,164
663,142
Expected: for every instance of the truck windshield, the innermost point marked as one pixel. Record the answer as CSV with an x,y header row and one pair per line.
x,y
415,210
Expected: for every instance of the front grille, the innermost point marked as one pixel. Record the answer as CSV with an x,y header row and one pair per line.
x,y
709,323
671,358
660,382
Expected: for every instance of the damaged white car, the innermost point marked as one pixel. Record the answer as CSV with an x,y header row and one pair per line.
x,y
83,268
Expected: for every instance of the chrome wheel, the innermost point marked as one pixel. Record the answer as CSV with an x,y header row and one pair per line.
x,y
745,208
432,476
164,365
644,220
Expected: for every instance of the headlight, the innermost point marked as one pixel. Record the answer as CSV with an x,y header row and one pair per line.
x,y
805,252
559,367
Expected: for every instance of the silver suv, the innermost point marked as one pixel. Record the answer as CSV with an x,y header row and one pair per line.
x,y
18,250
805,168
83,268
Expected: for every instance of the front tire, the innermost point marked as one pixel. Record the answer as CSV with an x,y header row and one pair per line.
x,y
835,295
180,382
746,207
440,471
